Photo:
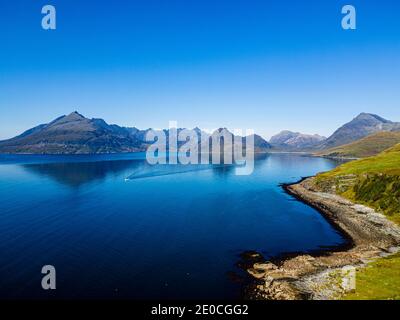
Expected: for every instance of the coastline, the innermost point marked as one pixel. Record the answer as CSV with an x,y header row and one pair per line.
x,y
336,157
326,274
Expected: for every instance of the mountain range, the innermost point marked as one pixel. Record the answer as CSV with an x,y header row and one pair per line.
x,y
289,140
75,134
361,126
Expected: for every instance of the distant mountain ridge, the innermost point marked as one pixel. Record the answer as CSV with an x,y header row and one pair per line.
x,y
361,126
75,134
72,134
289,140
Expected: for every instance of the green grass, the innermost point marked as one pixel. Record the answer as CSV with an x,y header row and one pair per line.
x,y
387,162
373,181
380,280
365,147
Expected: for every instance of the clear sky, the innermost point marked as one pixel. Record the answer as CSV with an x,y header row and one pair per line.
x,y
265,65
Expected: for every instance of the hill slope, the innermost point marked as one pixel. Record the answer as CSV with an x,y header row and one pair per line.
x,y
260,144
361,126
374,181
365,147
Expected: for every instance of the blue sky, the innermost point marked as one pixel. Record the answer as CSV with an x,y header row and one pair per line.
x,y
265,65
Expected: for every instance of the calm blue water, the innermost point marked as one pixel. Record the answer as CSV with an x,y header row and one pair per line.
x,y
170,235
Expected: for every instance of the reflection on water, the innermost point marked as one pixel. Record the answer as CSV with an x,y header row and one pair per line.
x,y
75,174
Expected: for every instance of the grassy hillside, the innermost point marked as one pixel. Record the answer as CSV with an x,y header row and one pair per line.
x,y
380,280
365,147
374,181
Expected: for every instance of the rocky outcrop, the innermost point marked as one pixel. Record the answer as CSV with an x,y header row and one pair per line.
x,y
331,274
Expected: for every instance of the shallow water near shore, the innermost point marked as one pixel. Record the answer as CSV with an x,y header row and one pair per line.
x,y
165,232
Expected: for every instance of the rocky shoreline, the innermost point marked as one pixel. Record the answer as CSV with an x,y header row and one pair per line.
x,y
326,275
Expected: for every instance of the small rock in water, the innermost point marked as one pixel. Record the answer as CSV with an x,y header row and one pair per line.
x,y
258,274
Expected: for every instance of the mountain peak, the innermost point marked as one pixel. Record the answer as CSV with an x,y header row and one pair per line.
x,y
295,140
371,116
75,116
219,130
288,132
361,126
73,134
